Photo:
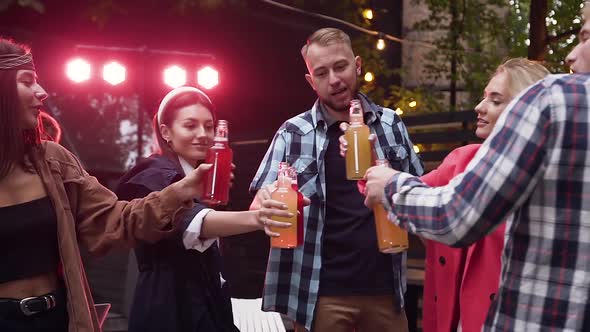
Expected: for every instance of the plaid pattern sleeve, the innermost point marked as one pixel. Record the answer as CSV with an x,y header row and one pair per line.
x,y
268,170
535,164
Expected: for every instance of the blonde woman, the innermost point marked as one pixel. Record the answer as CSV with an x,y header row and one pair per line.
x,y
461,283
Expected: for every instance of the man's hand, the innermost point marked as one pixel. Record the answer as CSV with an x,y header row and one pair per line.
x,y
376,179
267,208
344,143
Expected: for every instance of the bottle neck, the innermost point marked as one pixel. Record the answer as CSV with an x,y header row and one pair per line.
x,y
356,113
221,135
284,181
356,120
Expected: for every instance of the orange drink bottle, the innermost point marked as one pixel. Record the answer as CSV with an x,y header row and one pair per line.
x,y
295,187
217,179
390,238
358,155
285,193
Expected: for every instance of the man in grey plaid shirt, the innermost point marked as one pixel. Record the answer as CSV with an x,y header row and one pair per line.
x,y
536,165
337,280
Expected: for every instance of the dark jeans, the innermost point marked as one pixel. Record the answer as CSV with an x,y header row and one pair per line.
x,y
53,320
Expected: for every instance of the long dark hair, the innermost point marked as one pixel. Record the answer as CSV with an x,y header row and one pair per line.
x,y
16,143
169,113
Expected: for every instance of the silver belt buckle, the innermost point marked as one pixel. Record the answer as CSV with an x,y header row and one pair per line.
x,y
24,308
49,303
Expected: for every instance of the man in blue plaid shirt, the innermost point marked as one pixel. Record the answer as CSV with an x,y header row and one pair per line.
x,y
536,165
337,280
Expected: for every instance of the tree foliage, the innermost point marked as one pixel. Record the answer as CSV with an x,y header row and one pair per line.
x,y
468,43
110,128
473,34
562,24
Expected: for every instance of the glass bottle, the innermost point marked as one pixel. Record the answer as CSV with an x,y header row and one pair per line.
x,y
390,238
358,155
285,194
217,179
295,186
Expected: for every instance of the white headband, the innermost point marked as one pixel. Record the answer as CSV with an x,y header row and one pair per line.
x,y
175,93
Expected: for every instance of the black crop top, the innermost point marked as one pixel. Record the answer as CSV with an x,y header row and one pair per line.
x,y
28,240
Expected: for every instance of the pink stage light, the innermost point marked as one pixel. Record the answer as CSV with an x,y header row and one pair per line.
x,y
208,77
78,70
174,76
114,73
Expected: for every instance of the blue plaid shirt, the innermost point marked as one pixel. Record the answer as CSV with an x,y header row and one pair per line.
x,y
535,164
293,275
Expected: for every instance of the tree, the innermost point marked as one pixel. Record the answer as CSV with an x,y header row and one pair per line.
x,y
110,127
469,39
550,33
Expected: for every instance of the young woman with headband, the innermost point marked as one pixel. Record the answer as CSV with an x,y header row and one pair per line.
x,y
179,287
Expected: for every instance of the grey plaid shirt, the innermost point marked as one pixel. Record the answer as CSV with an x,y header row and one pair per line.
x,y
293,275
536,165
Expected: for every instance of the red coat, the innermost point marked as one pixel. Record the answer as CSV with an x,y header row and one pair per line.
x,y
460,283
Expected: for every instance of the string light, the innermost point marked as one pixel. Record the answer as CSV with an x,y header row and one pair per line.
x,y
381,44
413,104
399,111
369,77
368,14
416,149
368,31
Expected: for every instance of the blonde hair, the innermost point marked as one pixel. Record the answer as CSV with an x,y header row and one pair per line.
x,y
325,37
521,74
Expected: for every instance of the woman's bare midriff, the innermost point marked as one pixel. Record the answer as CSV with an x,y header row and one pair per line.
x,y
18,187
32,286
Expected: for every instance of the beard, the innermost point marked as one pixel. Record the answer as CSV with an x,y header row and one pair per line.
x,y
340,108
336,108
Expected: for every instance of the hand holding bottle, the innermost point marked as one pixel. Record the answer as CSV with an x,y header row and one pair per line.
x,y
344,142
359,156
268,208
390,238
376,179
191,185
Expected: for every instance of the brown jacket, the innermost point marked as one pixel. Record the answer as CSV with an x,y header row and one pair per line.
x,y
88,213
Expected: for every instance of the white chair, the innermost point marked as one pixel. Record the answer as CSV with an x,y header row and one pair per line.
x,y
102,310
249,317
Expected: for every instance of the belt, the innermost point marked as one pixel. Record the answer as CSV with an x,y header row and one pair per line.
x,y
29,306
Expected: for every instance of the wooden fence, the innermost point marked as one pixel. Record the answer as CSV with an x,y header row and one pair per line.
x,y
443,131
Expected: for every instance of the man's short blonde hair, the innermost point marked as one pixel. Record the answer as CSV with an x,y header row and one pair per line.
x,y
586,10
325,37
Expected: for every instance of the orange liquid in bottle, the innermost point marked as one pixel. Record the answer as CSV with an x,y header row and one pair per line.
x,y
285,193
390,238
358,155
